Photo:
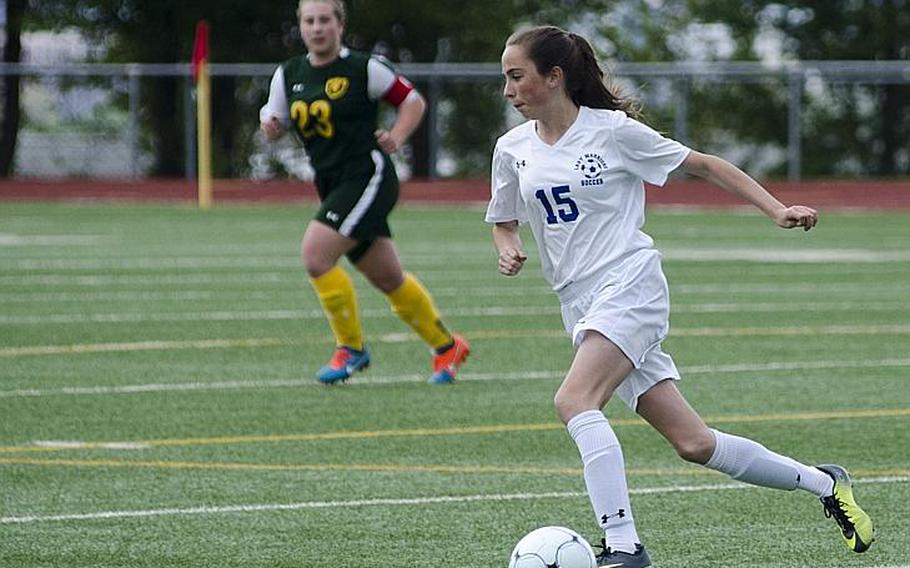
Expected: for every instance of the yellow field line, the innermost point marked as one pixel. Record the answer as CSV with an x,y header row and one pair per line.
x,y
323,436
823,415
478,334
414,468
456,431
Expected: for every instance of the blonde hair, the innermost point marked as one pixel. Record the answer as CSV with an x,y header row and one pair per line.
x,y
337,6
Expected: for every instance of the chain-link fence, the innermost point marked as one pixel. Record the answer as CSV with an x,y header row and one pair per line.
x,y
138,120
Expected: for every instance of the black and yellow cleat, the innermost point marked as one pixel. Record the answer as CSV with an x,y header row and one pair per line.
x,y
608,558
855,524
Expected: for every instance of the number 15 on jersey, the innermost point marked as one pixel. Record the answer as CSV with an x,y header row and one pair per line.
x,y
566,209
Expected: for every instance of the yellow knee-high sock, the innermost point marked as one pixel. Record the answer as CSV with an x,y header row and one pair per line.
x,y
413,304
336,294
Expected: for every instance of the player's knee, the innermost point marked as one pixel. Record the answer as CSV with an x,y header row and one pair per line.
x,y
316,264
568,406
696,449
316,267
387,282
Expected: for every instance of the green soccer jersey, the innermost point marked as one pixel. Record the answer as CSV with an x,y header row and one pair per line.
x,y
330,109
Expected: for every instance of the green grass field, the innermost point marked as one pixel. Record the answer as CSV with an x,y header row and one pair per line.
x,y
158,406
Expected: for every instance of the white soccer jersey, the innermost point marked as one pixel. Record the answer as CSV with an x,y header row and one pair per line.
x,y
584,196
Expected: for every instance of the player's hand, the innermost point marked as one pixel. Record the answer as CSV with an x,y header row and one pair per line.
x,y
272,128
511,261
387,142
797,216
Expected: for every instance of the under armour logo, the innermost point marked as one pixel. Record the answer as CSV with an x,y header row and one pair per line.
x,y
332,216
297,88
520,164
620,514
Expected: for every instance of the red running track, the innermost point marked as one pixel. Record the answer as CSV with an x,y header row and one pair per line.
x,y
892,194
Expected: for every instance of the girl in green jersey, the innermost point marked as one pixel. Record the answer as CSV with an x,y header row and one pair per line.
x,y
330,98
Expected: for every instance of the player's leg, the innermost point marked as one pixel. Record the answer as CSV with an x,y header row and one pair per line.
x,y
321,248
411,302
664,407
344,225
599,367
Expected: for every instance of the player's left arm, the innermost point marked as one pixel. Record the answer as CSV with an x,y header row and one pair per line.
x,y
728,177
410,113
383,82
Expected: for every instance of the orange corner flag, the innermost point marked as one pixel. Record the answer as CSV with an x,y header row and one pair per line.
x,y
200,47
203,114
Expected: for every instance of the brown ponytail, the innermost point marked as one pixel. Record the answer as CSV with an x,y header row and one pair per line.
x,y
549,47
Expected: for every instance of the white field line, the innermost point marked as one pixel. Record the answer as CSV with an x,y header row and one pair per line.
x,y
92,280
76,445
468,275
160,263
489,311
819,288
14,240
503,291
147,346
503,287
475,254
482,257
796,331
209,294
125,296
365,380
409,502
786,256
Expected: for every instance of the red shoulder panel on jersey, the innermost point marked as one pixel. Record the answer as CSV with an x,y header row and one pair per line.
x,y
398,92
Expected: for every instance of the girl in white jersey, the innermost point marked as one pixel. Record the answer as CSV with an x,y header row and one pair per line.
x,y
575,172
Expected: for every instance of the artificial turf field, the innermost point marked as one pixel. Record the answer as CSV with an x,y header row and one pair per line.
x,y
158,407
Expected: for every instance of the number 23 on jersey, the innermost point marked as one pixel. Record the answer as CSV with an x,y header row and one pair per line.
x,y
314,118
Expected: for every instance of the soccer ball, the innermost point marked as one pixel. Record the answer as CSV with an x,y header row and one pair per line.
x,y
552,547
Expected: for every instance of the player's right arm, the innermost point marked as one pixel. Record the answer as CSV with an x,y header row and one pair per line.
x,y
505,212
273,117
508,242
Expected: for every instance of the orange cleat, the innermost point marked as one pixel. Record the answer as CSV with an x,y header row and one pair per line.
x,y
446,364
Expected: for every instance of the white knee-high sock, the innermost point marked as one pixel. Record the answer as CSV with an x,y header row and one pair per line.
x,y
753,463
605,478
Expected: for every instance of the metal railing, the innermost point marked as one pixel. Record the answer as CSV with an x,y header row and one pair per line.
x,y
681,74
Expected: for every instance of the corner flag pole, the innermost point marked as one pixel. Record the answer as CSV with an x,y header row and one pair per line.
x,y
203,113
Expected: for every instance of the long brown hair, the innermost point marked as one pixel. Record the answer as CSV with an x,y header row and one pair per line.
x,y
549,47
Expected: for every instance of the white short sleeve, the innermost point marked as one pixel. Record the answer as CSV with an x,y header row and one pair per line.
x,y
380,78
505,201
277,105
646,152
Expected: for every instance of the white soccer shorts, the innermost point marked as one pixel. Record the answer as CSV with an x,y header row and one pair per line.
x,y
630,306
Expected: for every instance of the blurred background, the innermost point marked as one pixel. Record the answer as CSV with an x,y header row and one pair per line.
x,y
789,90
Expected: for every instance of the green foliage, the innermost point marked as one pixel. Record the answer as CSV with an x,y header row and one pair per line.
x,y
247,31
151,31
420,31
473,123
846,131
839,136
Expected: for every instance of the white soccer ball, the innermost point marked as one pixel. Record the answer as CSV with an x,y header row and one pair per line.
x,y
552,547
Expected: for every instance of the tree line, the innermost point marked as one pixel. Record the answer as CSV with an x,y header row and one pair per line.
x,y
864,125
